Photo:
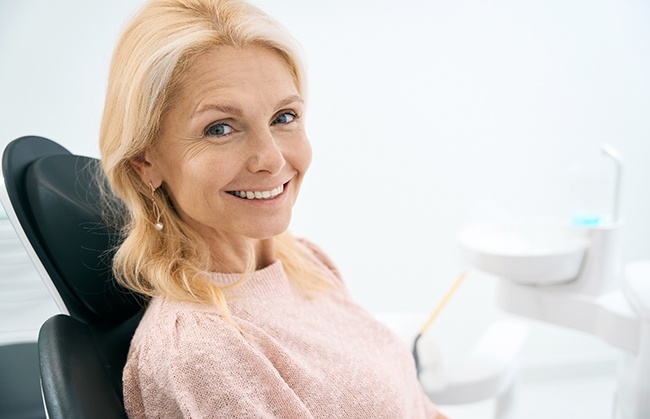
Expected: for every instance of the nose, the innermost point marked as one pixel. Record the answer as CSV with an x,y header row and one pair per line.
x,y
265,155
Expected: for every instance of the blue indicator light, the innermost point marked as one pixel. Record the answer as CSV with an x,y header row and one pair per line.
x,y
586,220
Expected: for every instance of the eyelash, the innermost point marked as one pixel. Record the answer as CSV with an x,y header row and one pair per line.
x,y
207,130
293,115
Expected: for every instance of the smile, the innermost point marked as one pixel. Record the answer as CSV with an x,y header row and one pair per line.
x,y
258,194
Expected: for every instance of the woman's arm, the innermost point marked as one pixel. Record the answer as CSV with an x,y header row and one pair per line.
x,y
204,368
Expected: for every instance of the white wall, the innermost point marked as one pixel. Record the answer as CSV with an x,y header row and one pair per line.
x,y
424,116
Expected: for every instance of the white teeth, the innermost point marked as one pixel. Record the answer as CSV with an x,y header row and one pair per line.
x,y
259,194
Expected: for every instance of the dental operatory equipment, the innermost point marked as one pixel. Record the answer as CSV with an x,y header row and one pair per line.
x,y
433,316
573,275
489,371
614,154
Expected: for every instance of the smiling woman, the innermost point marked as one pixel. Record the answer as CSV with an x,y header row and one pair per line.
x,y
203,139
232,152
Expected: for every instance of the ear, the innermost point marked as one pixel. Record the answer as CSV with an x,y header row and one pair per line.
x,y
144,166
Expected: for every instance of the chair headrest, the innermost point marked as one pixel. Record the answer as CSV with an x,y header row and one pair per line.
x,y
70,213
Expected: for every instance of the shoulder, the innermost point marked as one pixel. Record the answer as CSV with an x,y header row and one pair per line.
x,y
319,256
186,360
176,346
172,327
173,336
159,363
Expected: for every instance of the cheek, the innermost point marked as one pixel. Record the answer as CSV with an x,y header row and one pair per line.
x,y
192,184
302,155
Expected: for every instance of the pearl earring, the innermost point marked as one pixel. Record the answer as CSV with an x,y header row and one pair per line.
x,y
158,225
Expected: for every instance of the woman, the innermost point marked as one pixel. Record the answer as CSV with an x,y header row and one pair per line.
x,y
203,139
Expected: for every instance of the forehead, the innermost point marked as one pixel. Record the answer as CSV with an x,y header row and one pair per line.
x,y
228,68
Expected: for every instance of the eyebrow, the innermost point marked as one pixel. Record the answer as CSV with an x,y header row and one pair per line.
x,y
238,112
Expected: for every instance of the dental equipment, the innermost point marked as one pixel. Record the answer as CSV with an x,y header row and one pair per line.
x,y
614,154
574,277
432,317
489,372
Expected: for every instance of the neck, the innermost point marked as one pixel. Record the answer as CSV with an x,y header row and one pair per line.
x,y
232,258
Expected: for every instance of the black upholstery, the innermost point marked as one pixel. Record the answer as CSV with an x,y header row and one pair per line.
x,y
56,198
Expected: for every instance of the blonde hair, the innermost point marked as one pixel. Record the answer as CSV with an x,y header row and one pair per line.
x,y
145,76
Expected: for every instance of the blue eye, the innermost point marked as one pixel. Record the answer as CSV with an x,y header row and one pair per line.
x,y
285,118
218,130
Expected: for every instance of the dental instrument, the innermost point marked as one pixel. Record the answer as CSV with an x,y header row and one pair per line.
x,y
432,317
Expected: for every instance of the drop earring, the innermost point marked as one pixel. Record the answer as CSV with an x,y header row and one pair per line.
x,y
158,225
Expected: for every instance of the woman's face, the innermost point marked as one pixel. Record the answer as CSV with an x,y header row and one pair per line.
x,y
233,149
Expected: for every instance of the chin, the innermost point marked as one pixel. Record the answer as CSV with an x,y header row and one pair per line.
x,y
268,231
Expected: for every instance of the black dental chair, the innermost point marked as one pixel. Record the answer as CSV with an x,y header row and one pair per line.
x,y
56,199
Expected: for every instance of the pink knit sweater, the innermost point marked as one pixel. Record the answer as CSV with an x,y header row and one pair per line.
x,y
298,358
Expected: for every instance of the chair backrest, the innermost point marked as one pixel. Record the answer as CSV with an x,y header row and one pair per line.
x,y
57,202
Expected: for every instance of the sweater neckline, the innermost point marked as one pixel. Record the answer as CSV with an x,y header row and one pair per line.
x,y
270,280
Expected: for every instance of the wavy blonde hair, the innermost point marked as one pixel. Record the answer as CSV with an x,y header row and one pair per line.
x,y
146,74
